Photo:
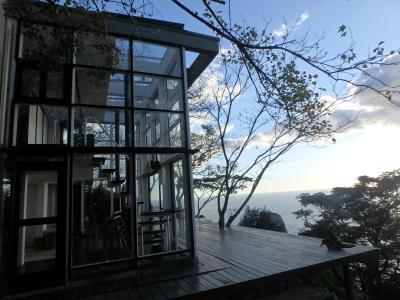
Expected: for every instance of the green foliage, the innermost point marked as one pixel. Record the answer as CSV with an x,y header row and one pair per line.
x,y
367,213
263,219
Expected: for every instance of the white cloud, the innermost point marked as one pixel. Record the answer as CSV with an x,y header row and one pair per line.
x,y
283,29
263,139
212,89
230,127
303,17
367,107
280,31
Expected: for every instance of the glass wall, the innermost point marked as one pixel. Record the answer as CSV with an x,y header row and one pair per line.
x,y
101,208
116,100
100,127
40,124
41,113
161,195
153,92
159,129
101,113
159,122
156,59
98,51
37,82
45,43
99,87
38,201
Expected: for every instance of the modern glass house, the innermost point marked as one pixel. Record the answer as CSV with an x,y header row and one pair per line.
x,y
95,158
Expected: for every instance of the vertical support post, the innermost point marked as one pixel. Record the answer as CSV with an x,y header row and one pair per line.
x,y
82,217
21,241
132,161
188,162
348,282
117,141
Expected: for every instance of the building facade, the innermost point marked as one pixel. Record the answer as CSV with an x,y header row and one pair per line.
x,y
95,158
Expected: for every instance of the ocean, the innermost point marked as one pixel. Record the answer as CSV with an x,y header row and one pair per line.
x,y
283,203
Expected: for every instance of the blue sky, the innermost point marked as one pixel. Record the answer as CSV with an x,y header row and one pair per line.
x,y
372,146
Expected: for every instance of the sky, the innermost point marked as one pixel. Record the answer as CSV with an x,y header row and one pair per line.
x,y
372,145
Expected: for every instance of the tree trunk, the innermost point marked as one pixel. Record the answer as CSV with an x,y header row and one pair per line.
x,y
221,221
230,220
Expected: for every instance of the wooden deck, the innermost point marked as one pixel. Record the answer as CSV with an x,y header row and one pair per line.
x,y
230,261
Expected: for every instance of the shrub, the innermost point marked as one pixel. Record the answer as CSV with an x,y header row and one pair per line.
x,y
262,219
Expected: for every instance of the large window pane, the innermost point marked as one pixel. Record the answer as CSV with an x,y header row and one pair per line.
x,y
101,208
55,84
161,203
155,190
178,181
157,93
37,248
94,127
41,124
96,87
51,45
100,51
156,59
30,85
159,129
38,194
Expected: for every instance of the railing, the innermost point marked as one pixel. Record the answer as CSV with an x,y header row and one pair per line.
x,y
160,231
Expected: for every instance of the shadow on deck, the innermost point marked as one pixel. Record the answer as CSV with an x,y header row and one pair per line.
x,y
231,261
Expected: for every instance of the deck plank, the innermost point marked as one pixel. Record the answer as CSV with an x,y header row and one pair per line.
x,y
237,257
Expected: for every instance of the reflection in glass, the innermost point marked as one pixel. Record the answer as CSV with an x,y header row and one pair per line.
x,y
179,199
55,84
96,87
96,127
30,85
38,194
155,187
101,208
160,203
46,43
156,59
41,124
37,248
158,129
110,52
158,93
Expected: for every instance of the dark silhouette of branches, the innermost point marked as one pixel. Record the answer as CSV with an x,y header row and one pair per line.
x,y
253,132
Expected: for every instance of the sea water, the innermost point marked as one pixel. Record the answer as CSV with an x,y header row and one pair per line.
x,y
282,203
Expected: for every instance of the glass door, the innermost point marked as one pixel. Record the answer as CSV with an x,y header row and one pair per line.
x,y
39,233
